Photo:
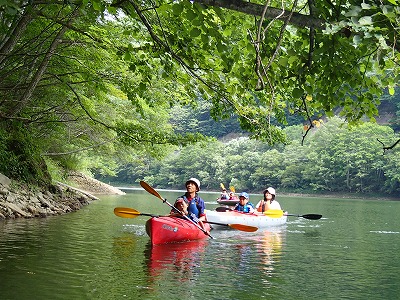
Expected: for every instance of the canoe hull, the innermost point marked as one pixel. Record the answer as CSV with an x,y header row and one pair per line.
x,y
164,230
229,202
233,217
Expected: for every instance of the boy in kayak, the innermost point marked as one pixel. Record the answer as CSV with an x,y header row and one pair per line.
x,y
191,203
244,205
269,201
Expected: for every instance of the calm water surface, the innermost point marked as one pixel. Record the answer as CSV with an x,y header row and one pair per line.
x,y
351,253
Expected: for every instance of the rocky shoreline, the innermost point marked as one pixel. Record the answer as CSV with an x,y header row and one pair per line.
x,y
20,201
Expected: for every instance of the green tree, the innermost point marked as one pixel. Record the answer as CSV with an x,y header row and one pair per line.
x,y
73,88
85,73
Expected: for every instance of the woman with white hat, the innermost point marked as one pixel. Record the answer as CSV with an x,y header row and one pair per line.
x,y
268,202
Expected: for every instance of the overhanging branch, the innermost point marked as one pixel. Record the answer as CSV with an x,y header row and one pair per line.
x,y
271,13
388,147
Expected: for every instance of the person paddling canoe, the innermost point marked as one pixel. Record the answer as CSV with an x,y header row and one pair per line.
x,y
195,204
268,202
224,194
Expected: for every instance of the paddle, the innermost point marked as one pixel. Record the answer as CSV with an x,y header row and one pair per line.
x,y
240,227
126,212
152,191
223,209
277,213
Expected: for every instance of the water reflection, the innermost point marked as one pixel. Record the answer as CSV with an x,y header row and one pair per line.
x,y
254,256
92,254
182,261
270,249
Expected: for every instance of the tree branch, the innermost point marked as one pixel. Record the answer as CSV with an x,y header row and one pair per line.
x,y
271,13
385,148
78,150
309,120
40,71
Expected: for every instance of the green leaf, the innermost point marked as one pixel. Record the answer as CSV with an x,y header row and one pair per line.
x,y
297,93
191,14
205,39
127,56
366,20
142,86
97,5
197,22
283,61
195,32
177,9
221,47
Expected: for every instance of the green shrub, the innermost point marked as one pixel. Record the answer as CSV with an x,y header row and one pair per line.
x,y
20,156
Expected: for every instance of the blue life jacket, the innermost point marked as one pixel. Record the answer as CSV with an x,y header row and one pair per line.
x,y
194,207
244,208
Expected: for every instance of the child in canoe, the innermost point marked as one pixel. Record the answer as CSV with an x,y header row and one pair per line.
x,y
244,205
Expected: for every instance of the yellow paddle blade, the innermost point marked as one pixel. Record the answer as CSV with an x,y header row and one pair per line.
x,y
222,186
232,189
125,212
243,227
148,188
274,213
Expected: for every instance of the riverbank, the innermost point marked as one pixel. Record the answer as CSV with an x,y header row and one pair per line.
x,y
18,200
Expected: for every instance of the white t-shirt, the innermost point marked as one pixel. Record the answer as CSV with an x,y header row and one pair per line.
x,y
274,205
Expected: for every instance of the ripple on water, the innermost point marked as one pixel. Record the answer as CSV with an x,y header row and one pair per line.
x,y
384,232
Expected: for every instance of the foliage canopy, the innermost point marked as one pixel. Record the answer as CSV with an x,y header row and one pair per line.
x,y
94,77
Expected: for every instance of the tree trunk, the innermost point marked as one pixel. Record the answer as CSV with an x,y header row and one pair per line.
x,y
25,98
11,39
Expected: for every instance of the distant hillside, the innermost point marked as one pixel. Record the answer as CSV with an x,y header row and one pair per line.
x,y
198,119
389,114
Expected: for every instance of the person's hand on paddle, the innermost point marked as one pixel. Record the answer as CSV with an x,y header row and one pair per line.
x,y
202,226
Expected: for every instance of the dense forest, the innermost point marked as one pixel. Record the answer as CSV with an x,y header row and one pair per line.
x,y
97,85
332,159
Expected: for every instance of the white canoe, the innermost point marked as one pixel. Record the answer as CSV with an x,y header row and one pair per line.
x,y
255,219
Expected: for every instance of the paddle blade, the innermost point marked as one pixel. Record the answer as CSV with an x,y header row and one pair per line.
x,y
242,227
149,189
312,216
223,209
232,189
125,212
274,213
222,186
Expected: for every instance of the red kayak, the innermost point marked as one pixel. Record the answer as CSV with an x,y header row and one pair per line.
x,y
163,230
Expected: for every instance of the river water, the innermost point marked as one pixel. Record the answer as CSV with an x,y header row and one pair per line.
x,y
351,253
